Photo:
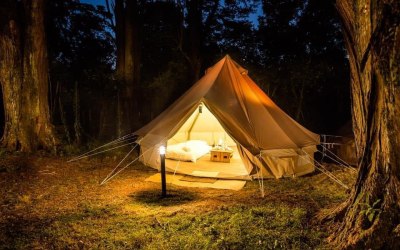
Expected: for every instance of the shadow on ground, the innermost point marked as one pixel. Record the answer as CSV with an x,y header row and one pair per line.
x,y
174,197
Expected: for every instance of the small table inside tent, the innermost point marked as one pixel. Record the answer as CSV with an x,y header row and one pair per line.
x,y
220,154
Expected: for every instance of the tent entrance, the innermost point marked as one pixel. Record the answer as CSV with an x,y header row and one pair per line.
x,y
203,127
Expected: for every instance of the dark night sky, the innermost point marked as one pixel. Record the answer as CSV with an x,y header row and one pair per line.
x,y
94,2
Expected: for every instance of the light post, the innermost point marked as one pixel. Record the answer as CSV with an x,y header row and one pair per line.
x,y
163,179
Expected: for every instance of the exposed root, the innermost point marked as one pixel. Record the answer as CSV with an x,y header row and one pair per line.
x,y
333,214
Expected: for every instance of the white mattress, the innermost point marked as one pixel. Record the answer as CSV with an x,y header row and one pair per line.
x,y
187,151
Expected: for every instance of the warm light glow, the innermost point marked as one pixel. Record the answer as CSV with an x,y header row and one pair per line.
x,y
162,150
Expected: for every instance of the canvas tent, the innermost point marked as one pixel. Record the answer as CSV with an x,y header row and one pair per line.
x,y
226,103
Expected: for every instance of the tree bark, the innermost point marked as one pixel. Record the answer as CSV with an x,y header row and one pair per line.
x,y
11,72
370,218
128,64
24,77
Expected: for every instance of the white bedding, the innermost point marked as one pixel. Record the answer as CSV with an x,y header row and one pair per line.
x,y
187,151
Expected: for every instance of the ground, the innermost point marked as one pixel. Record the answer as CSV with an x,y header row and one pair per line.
x,y
48,203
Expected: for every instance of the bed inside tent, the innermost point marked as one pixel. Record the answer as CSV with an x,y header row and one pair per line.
x,y
189,150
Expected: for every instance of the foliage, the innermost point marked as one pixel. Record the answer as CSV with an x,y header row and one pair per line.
x,y
164,69
172,81
81,51
305,62
79,39
224,28
370,211
228,30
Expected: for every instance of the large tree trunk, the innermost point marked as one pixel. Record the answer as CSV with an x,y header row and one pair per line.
x,y
24,77
11,72
370,218
128,64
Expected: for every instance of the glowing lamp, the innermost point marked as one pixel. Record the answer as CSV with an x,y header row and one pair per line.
x,y
162,150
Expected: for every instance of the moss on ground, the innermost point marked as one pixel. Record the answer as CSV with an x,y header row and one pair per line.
x,y
60,205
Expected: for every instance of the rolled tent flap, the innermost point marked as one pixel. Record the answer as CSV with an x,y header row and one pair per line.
x,y
270,143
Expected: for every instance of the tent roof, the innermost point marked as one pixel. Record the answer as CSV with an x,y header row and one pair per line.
x,y
242,108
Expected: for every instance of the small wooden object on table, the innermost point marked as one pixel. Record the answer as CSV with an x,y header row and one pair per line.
x,y
221,155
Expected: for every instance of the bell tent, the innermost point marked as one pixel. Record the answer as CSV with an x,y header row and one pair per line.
x,y
225,111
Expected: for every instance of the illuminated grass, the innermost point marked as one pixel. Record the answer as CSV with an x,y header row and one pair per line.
x,y
69,210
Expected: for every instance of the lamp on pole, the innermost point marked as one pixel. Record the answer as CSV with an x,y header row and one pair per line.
x,y
163,179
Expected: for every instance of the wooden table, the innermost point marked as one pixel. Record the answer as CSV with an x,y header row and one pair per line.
x,y
221,155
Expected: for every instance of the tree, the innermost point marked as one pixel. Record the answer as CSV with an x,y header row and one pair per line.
x,y
195,36
81,60
24,77
179,39
304,57
164,68
370,218
231,31
212,28
128,63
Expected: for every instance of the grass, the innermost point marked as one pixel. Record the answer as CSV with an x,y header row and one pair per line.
x,y
60,205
